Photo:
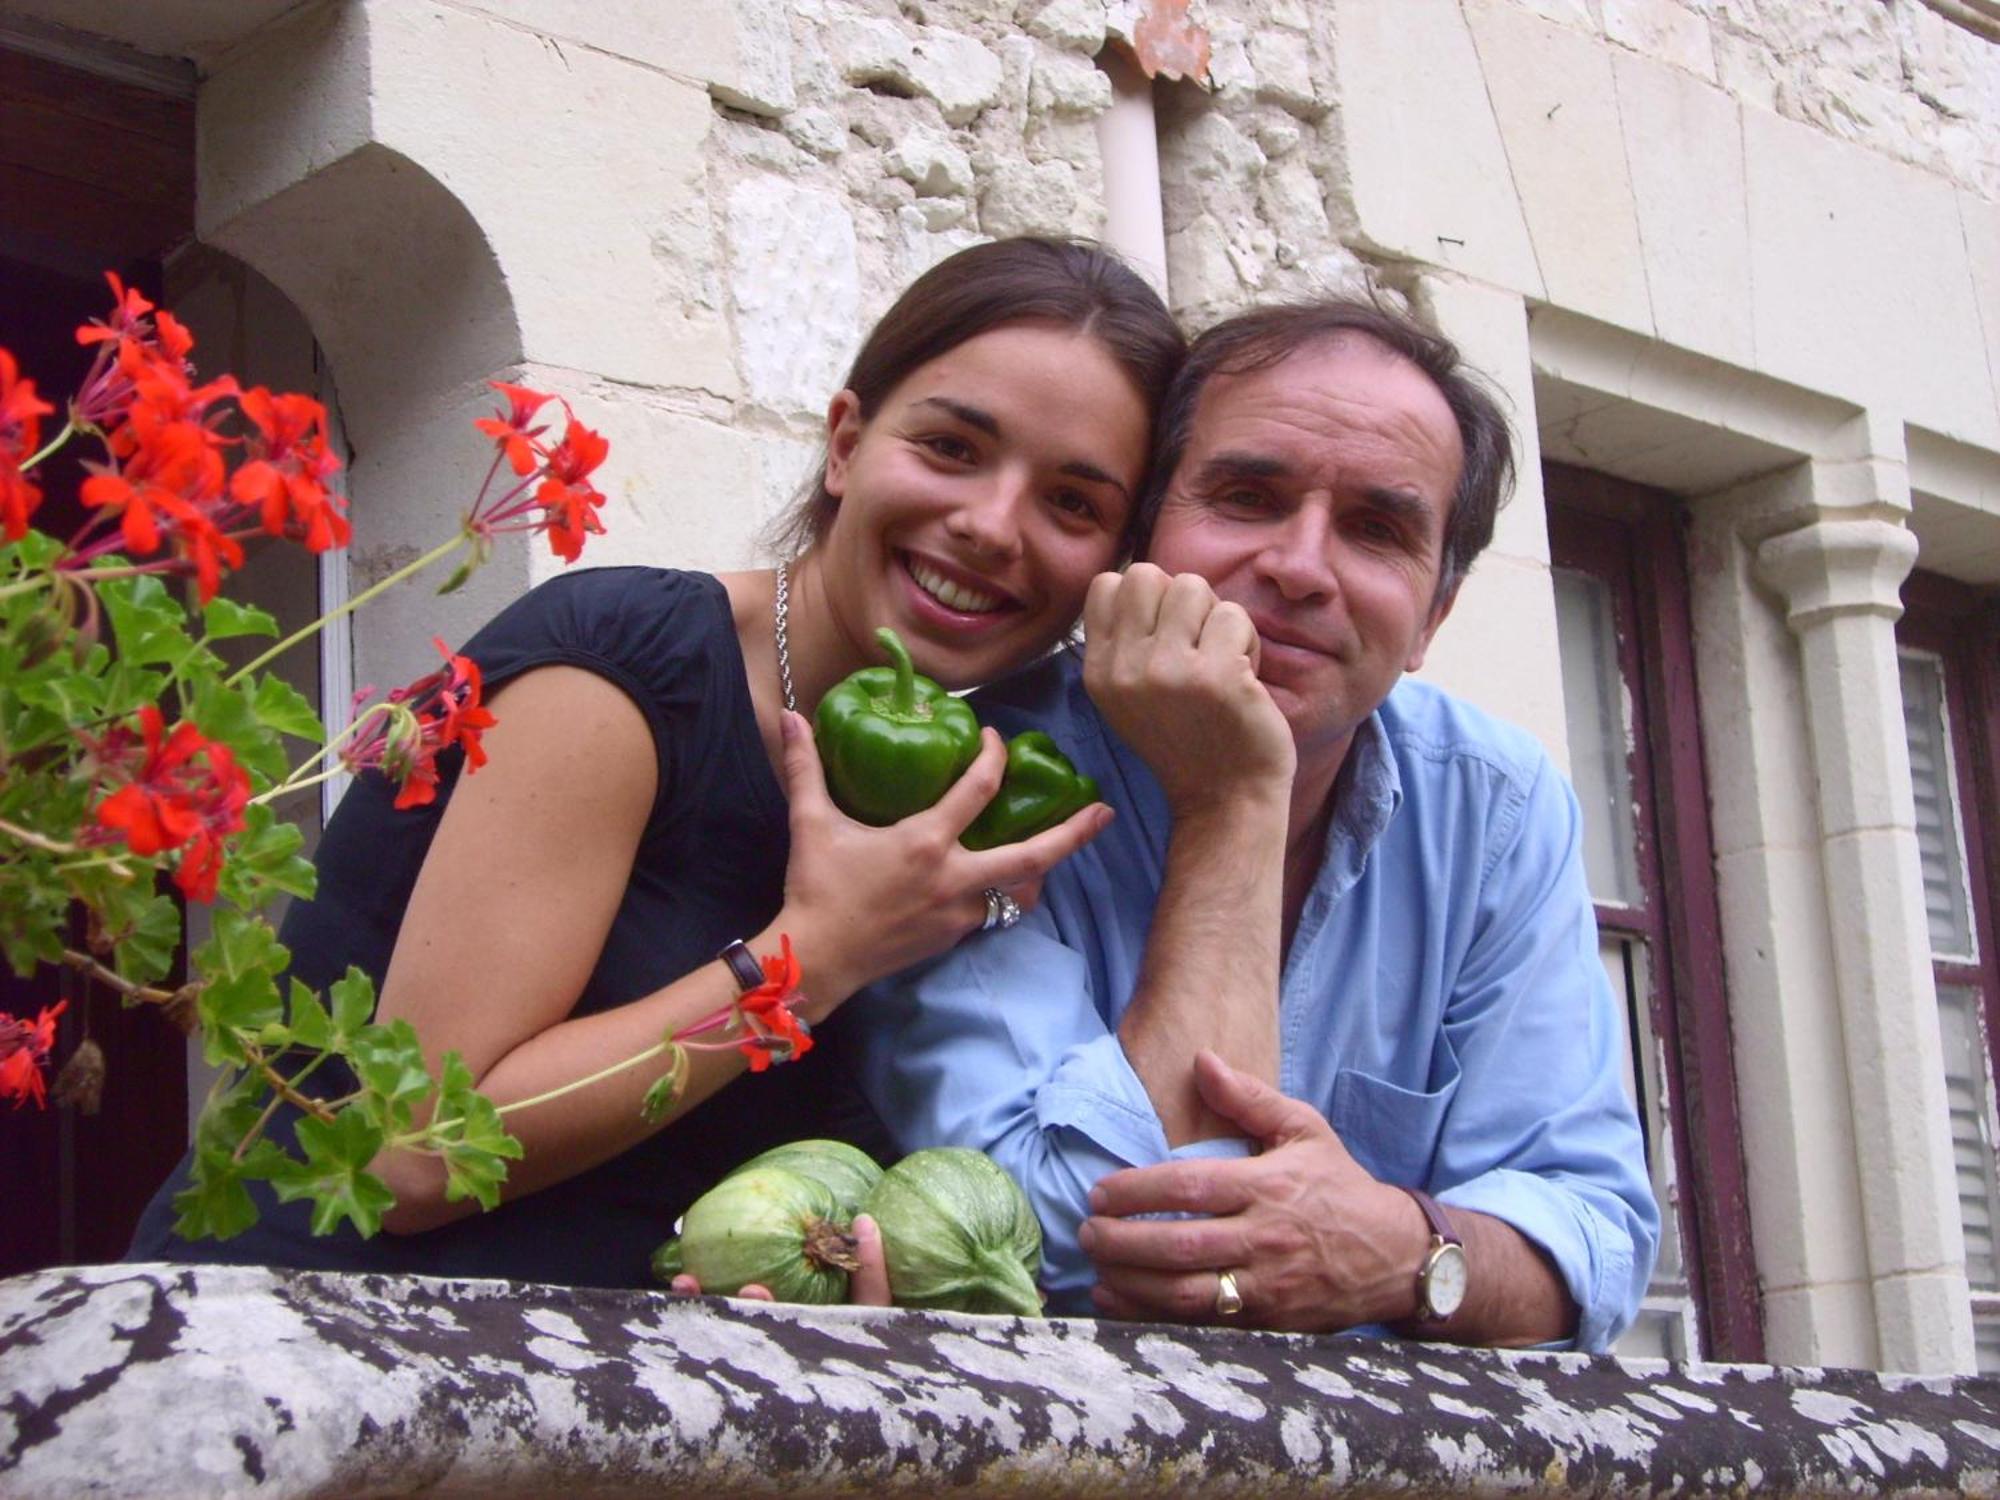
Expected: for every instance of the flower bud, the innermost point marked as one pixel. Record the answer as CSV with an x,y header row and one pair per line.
x,y
80,1084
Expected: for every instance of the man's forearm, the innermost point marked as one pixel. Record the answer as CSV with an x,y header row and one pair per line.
x,y
1514,1297
1210,976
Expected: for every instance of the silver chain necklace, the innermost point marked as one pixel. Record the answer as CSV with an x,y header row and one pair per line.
x,y
784,645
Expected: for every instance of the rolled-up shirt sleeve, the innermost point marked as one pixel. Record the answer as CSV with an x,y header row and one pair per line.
x,y
1562,1162
999,1045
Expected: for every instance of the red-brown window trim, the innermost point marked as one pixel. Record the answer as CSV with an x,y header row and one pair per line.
x,y
1631,537
1961,625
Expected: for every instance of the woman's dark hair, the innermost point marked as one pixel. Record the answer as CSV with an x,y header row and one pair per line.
x,y
1071,283
1258,339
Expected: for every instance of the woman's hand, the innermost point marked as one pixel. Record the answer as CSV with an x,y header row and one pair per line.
x,y
867,1287
863,902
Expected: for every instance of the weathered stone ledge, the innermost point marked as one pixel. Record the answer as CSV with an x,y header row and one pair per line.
x,y
185,1381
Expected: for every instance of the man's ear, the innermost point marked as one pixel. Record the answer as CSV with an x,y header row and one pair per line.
x,y
843,433
1438,611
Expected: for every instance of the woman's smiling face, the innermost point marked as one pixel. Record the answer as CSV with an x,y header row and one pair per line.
x,y
978,502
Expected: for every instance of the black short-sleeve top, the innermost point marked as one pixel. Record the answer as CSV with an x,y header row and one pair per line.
x,y
709,867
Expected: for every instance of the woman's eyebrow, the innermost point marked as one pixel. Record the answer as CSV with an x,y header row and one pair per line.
x,y
971,416
986,422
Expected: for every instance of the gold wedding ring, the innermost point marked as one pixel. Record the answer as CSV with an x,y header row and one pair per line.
x,y
1228,1300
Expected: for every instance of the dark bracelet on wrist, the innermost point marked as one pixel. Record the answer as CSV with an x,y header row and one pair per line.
x,y
743,964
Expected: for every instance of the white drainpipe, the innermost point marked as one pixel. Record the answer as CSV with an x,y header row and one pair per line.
x,y
1129,143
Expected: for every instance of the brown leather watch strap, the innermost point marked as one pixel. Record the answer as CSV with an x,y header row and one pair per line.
x,y
1434,1212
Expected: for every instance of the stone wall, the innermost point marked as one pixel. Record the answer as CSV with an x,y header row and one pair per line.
x,y
296,1384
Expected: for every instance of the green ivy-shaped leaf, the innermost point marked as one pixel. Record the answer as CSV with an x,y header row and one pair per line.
x,y
475,1144
312,1027
226,619
31,918
280,706
229,714
143,925
353,996
264,860
215,1204
389,1064
240,964
335,1174
149,626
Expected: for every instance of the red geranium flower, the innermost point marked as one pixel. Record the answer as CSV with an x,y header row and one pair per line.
x,y
171,802
21,413
510,428
569,500
768,1013
425,719
288,469
24,1049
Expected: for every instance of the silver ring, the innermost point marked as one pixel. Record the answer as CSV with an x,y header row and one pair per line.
x,y
1228,1300
1002,910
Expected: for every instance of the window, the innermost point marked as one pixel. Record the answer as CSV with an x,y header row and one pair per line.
x,y
1635,753
1950,660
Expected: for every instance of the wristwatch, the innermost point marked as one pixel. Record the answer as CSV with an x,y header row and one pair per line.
x,y
1441,1278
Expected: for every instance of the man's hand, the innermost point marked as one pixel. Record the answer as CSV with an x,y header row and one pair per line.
x,y
1315,1243
1174,670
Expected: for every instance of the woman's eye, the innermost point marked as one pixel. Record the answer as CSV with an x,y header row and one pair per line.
x,y
1074,502
947,446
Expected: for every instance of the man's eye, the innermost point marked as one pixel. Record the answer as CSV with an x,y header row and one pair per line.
x,y
1375,529
1246,499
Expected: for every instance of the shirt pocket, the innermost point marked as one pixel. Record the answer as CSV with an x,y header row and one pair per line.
x,y
1391,1130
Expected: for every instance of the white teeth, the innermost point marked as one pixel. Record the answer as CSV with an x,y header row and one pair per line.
x,y
950,594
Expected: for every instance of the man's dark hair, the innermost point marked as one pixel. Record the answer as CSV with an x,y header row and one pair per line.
x,y
1264,337
1067,283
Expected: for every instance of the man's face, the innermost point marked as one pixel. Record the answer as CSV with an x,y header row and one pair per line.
x,y
1314,493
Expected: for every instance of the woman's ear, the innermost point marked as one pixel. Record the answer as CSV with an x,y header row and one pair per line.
x,y
843,434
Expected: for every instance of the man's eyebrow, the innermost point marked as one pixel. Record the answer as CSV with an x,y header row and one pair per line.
x,y
1219,467
984,421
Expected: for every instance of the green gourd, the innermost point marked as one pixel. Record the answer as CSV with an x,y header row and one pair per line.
x,y
848,1171
958,1234
851,1172
770,1225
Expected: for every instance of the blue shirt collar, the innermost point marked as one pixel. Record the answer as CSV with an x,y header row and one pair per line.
x,y
1366,796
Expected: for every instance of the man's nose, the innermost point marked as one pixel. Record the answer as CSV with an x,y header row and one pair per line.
x,y
1297,557
990,516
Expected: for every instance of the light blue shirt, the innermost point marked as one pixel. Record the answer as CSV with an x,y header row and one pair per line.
x,y
1442,1002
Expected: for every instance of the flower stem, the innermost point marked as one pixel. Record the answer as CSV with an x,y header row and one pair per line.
x,y
68,432
116,981
298,781
307,632
602,1073
35,840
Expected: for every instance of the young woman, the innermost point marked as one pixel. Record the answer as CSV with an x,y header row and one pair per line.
x,y
652,794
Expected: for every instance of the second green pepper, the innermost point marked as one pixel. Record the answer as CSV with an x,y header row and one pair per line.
x,y
892,742
1041,788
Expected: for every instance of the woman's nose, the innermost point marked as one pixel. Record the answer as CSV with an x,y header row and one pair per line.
x,y
990,519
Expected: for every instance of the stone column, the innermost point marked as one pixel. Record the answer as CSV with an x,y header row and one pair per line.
x,y
1839,576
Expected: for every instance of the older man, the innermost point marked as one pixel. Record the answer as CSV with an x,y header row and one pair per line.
x,y
1341,915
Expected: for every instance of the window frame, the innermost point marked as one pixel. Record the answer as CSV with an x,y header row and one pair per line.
x,y
1960,625
1609,528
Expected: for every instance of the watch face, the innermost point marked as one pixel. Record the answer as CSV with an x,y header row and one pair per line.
x,y
1444,1281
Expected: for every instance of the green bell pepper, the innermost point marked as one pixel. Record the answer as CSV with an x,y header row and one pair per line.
x,y
1040,789
892,742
